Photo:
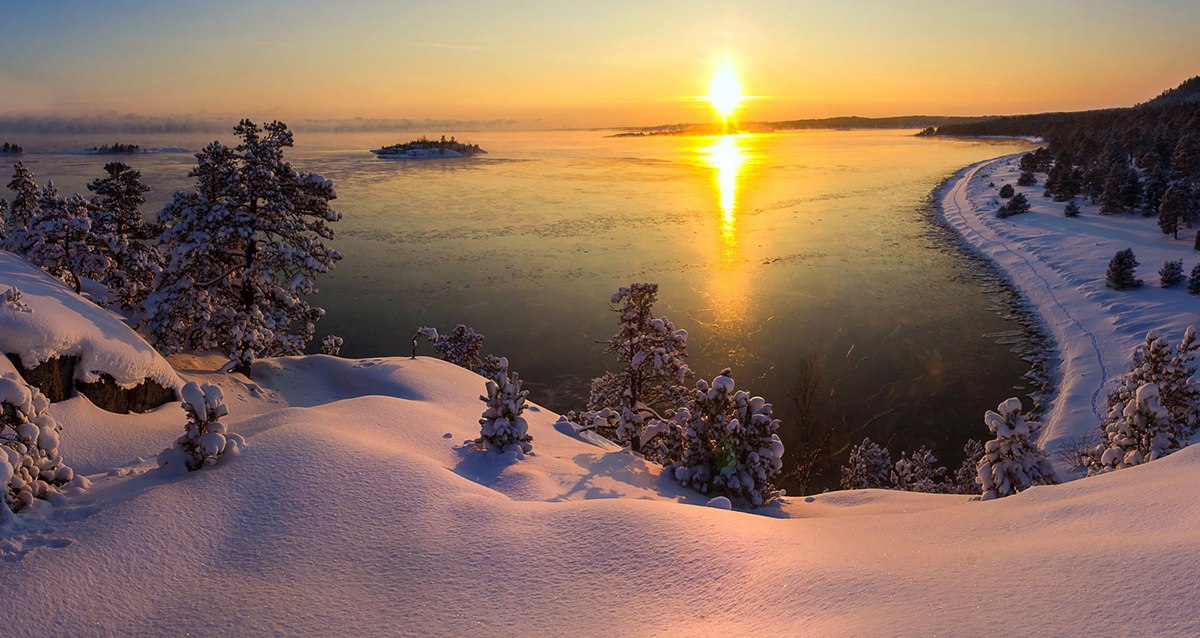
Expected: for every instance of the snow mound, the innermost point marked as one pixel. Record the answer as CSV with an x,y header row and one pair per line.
x,y
360,501
57,322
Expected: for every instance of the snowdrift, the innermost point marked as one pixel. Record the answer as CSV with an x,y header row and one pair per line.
x,y
59,324
357,507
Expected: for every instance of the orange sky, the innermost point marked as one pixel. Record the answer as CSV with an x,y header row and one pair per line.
x,y
588,63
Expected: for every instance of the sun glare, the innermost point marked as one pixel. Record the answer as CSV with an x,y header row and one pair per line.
x,y
725,91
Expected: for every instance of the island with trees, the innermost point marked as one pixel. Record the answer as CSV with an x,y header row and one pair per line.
x,y
11,149
114,149
425,148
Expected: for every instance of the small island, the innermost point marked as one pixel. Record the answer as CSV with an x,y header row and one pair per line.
x,y
426,148
11,149
114,149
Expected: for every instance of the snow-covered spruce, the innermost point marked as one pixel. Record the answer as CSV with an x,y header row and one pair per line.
x,y
243,250
331,345
654,354
21,209
205,439
59,238
660,440
1141,432
729,442
1011,462
463,347
1193,284
502,428
918,472
30,465
869,467
1172,370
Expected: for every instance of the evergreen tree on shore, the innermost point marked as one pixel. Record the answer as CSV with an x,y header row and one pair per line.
x,y
243,250
1121,273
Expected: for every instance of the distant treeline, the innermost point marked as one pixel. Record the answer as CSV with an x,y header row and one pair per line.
x,y
11,149
1144,158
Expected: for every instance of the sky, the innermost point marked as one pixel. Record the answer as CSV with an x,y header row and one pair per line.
x,y
575,63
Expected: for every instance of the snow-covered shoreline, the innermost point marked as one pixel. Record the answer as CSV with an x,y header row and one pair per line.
x,y
1057,264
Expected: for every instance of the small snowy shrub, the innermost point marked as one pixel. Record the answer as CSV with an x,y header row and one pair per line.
x,y
205,439
1071,209
331,345
30,465
1006,191
918,472
730,445
463,347
502,428
1193,285
10,299
1138,432
1171,273
966,477
1121,273
1027,178
1011,462
869,467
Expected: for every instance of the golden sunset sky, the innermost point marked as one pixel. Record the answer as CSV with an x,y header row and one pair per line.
x,y
549,64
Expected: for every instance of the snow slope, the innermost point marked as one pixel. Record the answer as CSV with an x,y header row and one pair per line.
x,y
1059,263
360,510
59,323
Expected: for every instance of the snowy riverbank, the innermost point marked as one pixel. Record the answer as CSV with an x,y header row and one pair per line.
x,y
358,491
1058,263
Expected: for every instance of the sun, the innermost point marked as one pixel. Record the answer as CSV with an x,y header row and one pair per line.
x,y
725,91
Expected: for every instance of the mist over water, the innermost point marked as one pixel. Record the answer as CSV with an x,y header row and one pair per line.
x,y
778,253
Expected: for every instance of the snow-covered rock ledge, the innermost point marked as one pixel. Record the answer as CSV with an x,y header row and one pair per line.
x,y
1058,264
61,342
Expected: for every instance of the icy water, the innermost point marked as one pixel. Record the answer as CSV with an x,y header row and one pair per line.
x,y
780,254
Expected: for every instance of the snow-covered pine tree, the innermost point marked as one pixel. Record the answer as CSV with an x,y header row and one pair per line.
x,y
966,477
30,464
331,345
919,472
1138,432
21,209
729,442
1173,209
1171,273
1011,462
119,230
1027,178
243,250
11,300
653,352
1193,285
502,428
59,239
1122,271
205,439
1172,371
1071,209
869,467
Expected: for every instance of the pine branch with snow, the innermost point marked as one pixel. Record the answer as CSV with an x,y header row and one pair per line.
x,y
1011,462
1172,370
331,345
463,347
119,231
31,466
502,428
205,439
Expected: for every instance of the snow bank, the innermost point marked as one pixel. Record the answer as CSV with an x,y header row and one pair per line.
x,y
1059,263
61,323
367,512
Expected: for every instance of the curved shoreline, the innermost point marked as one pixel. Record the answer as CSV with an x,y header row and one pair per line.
x,y
1034,344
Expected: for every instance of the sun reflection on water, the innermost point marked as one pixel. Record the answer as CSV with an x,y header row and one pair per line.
x,y
728,158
